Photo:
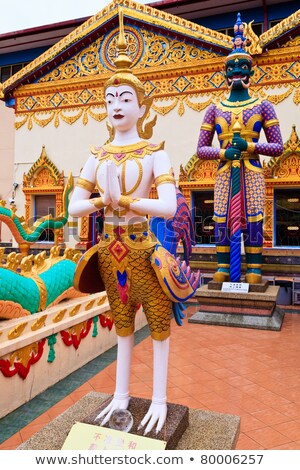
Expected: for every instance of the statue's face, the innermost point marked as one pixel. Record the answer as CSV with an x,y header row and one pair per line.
x,y
238,73
122,106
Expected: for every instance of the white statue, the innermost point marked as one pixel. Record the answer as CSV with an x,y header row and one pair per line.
x,y
124,170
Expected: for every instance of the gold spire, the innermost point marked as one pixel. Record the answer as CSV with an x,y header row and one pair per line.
x,y
123,61
124,74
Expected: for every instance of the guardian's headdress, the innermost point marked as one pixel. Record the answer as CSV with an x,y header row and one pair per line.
x,y
239,42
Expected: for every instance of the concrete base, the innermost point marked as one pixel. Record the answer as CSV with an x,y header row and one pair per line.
x,y
273,323
206,430
247,310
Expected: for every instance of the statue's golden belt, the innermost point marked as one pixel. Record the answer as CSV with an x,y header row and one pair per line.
x,y
249,156
135,236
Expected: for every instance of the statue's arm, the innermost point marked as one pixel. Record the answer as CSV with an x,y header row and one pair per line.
x,y
80,202
274,145
207,130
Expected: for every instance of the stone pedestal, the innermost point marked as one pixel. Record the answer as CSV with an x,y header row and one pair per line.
x,y
176,423
206,429
254,309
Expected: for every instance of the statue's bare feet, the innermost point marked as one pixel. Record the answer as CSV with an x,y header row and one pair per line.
x,y
117,403
157,413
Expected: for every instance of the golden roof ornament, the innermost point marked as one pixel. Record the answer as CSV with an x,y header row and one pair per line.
x,y
253,45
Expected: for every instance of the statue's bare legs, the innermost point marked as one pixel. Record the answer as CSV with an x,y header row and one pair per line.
x,y
121,395
157,412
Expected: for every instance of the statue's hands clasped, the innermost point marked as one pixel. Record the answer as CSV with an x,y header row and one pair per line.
x,y
111,187
113,183
239,143
233,154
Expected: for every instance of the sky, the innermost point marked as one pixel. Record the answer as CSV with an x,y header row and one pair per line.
x,y
16,15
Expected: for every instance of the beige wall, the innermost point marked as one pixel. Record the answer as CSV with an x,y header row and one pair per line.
x,y
7,133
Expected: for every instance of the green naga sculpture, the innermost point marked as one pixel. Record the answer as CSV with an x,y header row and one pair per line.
x,y
31,284
23,234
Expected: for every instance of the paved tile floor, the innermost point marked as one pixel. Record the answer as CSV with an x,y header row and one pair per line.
x,y
251,373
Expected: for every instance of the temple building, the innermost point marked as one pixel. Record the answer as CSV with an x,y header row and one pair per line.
x,y
178,53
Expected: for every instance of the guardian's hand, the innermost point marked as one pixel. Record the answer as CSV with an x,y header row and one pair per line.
x,y
232,154
239,143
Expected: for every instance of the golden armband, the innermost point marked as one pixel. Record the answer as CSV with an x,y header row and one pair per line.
x,y
207,127
251,147
163,179
222,154
97,202
270,123
85,184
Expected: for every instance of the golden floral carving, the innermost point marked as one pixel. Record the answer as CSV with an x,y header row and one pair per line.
x,y
163,110
74,310
57,116
24,355
294,142
134,40
183,177
296,98
198,106
89,304
102,300
87,62
17,331
254,47
161,50
39,323
42,163
167,95
59,316
276,98
293,42
205,170
288,164
289,168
